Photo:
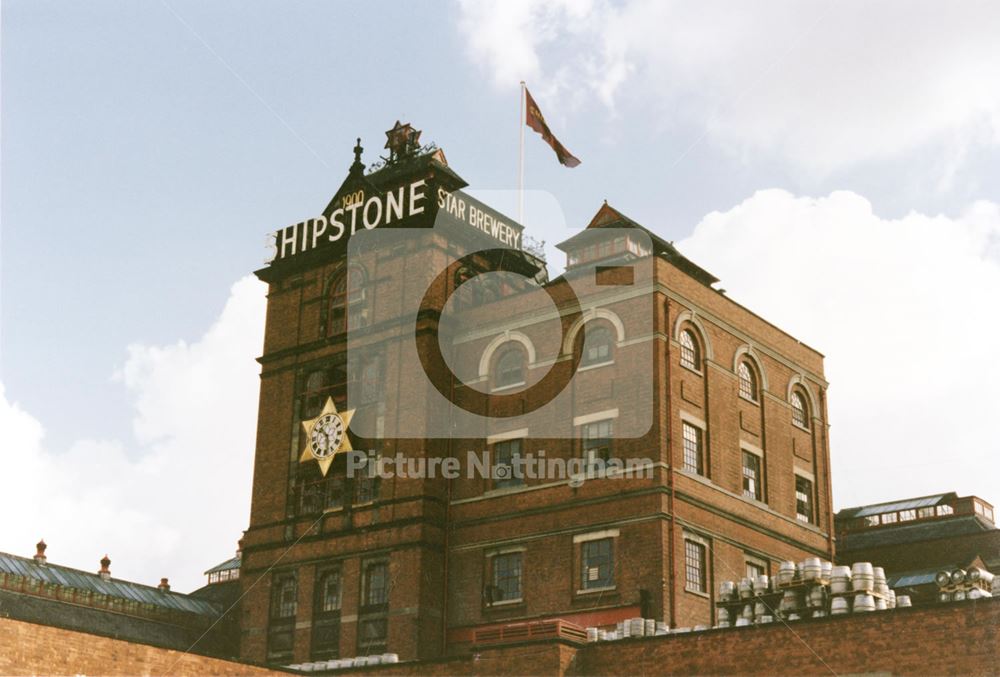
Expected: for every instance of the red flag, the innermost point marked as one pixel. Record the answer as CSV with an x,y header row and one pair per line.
x,y
534,119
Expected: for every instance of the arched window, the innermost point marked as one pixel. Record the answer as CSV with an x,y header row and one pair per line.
x,y
328,592
509,368
347,306
748,381
284,602
598,345
800,414
690,351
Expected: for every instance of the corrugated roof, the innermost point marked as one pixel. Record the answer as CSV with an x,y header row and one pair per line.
x,y
233,563
911,578
83,580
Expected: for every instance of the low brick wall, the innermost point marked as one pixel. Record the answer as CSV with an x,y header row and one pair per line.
x,y
958,638
962,638
32,649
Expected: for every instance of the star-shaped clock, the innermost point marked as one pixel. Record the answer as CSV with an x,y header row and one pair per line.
x,y
326,436
402,139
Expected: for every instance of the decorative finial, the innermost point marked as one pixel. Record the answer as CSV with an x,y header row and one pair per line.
x,y
40,551
403,140
358,150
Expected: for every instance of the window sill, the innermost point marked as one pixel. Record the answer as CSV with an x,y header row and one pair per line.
x,y
756,402
699,593
596,365
594,591
505,603
510,386
692,370
801,427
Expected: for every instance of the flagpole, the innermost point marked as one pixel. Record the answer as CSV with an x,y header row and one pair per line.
x,y
520,160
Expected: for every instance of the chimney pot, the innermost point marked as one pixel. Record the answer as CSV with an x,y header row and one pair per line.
x,y
164,585
40,551
105,571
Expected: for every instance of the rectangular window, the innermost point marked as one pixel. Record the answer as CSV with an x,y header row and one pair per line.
x,y
694,566
507,577
924,513
755,569
889,518
803,499
373,634
280,631
988,513
597,558
872,521
694,460
907,515
597,442
506,471
751,476
326,617
376,584
365,488
944,510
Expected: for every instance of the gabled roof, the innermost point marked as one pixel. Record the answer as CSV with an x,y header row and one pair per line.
x,y
609,217
81,580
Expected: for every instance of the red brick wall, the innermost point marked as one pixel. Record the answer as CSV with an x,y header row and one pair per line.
x,y
962,638
30,649
953,639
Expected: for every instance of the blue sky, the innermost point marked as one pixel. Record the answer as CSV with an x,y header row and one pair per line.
x,y
148,147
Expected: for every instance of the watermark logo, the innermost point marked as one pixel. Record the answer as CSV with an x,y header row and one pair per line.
x,y
471,337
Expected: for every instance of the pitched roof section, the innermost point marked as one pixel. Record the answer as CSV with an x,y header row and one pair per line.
x,y
74,578
892,506
229,564
609,217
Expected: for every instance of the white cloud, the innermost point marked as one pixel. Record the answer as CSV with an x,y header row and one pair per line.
x,y
174,501
825,86
903,309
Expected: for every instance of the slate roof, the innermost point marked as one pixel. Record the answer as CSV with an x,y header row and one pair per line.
x,y
82,580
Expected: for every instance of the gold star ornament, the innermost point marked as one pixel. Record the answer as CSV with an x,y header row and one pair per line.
x,y
326,436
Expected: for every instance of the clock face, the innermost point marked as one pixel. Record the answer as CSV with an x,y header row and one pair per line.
x,y
326,435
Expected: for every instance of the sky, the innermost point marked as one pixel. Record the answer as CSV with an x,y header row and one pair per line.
x,y
835,164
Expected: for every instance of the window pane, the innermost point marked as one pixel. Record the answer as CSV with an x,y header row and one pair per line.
x,y
689,350
803,499
754,570
694,566
693,451
507,576
751,476
329,592
283,604
597,442
507,473
376,584
596,346
889,518
748,382
598,563
510,368
799,416
945,510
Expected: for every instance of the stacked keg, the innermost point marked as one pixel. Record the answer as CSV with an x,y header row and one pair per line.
x,y
959,584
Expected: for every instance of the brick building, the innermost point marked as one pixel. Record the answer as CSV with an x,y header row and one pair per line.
x,y
913,539
729,438
41,593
